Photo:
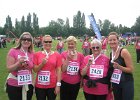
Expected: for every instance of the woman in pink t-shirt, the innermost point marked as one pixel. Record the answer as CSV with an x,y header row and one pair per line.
x,y
71,78
137,47
94,72
86,47
60,45
48,68
19,65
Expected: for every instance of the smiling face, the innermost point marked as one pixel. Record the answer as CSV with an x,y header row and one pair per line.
x,y
47,42
113,41
26,41
71,45
96,48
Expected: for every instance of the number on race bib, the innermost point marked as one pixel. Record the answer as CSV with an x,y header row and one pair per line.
x,y
44,77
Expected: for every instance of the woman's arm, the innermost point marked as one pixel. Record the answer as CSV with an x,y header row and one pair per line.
x,y
65,64
12,65
38,67
128,61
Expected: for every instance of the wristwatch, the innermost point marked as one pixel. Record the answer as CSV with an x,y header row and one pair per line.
x,y
58,84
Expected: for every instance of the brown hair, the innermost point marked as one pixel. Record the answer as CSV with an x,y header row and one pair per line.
x,y
18,46
114,33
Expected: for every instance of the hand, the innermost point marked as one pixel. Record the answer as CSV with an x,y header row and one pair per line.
x,y
89,61
44,60
116,65
57,90
71,54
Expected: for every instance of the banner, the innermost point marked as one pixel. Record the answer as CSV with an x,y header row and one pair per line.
x,y
94,26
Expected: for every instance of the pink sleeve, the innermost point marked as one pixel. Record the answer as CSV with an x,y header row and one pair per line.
x,y
63,55
12,53
35,59
59,60
81,60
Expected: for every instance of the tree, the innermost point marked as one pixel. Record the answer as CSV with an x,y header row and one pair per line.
x,y
35,25
17,28
106,27
136,26
79,24
29,24
66,28
22,26
8,25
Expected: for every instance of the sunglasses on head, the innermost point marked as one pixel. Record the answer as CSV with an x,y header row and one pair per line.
x,y
47,41
95,47
26,39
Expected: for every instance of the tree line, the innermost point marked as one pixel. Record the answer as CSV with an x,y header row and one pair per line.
x,y
62,28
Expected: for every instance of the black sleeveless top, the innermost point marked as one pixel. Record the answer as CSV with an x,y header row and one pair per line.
x,y
120,60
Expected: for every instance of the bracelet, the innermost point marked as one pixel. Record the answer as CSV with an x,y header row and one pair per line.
x,y
58,84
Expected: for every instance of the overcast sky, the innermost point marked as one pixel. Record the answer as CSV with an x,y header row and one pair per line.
x,y
118,12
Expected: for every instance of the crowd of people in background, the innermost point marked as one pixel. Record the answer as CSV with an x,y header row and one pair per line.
x,y
3,42
67,70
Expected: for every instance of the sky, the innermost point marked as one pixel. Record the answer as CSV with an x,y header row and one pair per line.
x,y
118,12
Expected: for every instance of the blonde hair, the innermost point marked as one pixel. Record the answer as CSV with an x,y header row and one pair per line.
x,y
71,38
45,37
18,46
96,41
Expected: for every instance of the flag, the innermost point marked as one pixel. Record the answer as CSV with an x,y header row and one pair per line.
x,y
94,26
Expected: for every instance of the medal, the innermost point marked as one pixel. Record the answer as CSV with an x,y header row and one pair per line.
x,y
112,61
114,54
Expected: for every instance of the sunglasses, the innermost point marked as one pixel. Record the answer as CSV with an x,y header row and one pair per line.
x,y
47,41
95,48
26,39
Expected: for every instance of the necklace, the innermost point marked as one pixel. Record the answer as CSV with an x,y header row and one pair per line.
x,y
114,54
94,59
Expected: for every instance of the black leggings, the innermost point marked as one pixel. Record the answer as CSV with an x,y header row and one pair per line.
x,y
15,93
124,91
69,91
138,55
41,93
94,97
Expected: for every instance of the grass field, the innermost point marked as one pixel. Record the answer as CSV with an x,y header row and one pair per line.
x,y
4,73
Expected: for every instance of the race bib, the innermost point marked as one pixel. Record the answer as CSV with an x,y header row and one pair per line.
x,y
44,77
116,76
73,68
24,77
96,71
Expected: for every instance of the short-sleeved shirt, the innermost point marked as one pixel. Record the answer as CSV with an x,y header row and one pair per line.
x,y
68,75
15,53
54,61
103,63
86,44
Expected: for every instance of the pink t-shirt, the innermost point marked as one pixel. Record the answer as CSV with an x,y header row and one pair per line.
x,y
60,45
104,44
54,61
138,45
86,44
72,75
15,53
103,63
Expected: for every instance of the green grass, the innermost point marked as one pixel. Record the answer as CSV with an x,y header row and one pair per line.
x,y
4,73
